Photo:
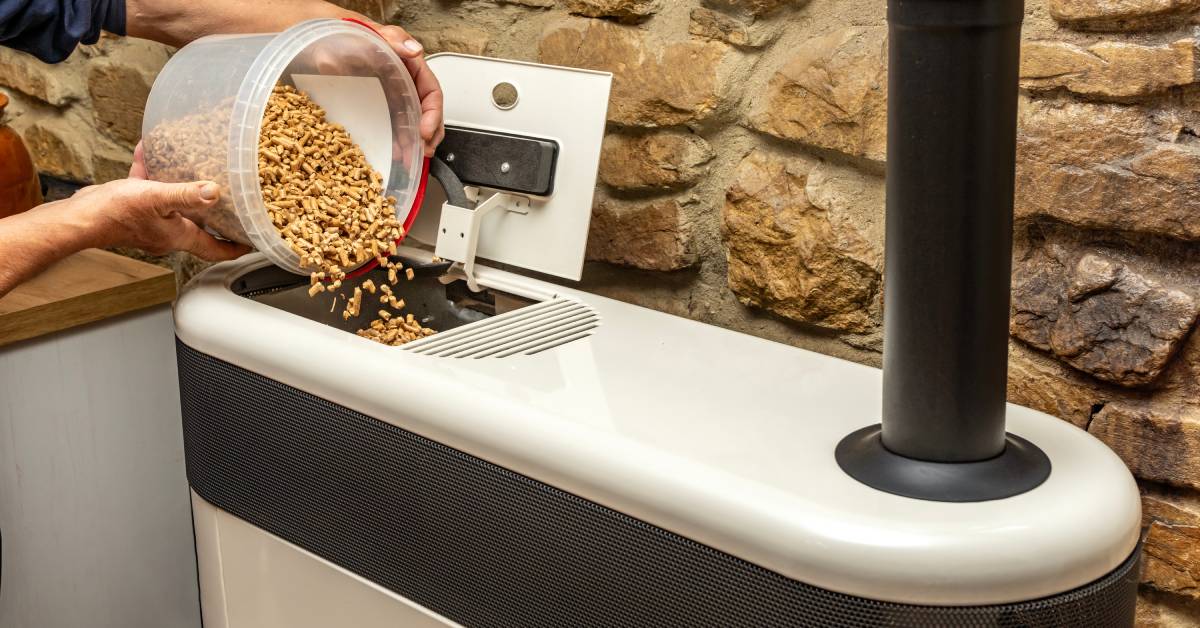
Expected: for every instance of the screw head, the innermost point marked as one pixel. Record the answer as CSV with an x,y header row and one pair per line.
x,y
504,167
449,157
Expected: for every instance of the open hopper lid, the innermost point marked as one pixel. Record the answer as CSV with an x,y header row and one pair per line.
x,y
532,133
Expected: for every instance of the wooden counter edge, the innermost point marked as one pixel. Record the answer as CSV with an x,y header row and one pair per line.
x,y
156,288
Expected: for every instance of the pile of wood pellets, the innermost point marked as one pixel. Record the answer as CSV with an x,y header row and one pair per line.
x,y
328,204
195,148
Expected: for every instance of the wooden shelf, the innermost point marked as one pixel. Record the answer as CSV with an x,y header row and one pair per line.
x,y
87,287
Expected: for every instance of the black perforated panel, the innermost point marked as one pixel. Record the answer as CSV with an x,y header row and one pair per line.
x,y
484,546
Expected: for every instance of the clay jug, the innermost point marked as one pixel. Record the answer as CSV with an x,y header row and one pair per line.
x,y
19,186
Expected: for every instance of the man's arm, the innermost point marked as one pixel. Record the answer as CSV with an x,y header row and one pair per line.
x,y
158,217
36,239
177,22
142,214
50,29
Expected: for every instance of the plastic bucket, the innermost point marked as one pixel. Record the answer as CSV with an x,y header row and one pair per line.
x,y
204,116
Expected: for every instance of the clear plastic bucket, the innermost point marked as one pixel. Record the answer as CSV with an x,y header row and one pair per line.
x,y
204,116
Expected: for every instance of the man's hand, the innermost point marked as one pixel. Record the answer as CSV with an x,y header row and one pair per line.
x,y
177,22
336,60
155,217
428,88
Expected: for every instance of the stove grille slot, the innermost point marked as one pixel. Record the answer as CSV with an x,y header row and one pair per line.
x,y
526,331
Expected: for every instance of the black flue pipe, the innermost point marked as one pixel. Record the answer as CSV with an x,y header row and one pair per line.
x,y
952,108
951,162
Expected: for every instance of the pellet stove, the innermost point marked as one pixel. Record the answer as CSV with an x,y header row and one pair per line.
x,y
556,458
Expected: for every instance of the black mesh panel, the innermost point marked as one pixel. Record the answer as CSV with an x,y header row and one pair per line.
x,y
484,546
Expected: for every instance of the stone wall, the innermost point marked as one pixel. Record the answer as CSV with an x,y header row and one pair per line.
x,y
82,118
742,185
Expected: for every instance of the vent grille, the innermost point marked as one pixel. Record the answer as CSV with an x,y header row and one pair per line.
x,y
526,331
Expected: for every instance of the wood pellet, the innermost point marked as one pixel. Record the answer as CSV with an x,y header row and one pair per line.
x,y
328,204
320,192
395,330
196,148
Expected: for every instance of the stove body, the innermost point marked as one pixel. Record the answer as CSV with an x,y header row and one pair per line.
x,y
648,470
556,458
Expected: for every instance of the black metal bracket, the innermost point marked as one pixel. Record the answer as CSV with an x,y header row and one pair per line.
x,y
500,161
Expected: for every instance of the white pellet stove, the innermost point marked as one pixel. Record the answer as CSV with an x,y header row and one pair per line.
x,y
555,458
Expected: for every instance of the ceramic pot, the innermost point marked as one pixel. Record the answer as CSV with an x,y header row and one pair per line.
x,y
19,185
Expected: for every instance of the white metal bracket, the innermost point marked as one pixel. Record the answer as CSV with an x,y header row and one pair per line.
x,y
458,232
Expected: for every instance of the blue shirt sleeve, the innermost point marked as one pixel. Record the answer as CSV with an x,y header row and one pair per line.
x,y
50,29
